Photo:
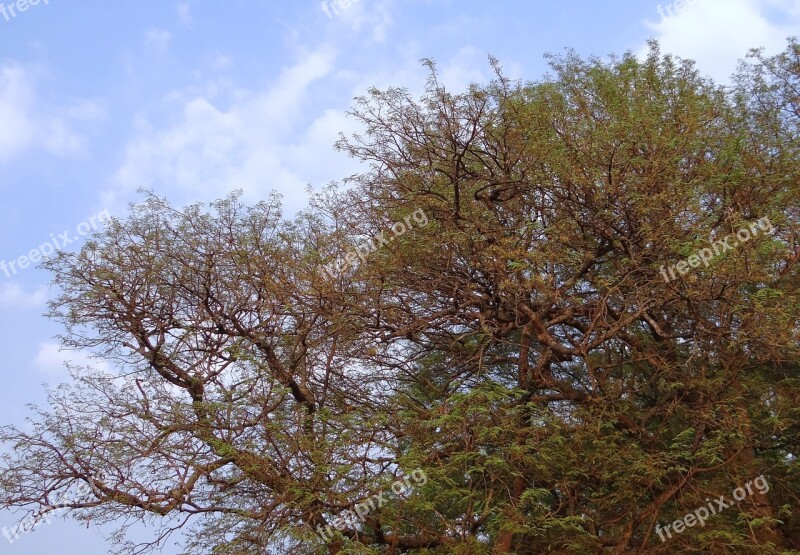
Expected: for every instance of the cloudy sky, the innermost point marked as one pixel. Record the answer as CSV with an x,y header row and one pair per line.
x,y
194,99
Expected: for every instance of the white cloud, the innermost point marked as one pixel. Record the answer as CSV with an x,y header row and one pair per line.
x,y
467,66
51,359
221,61
718,33
158,40
184,13
28,122
360,15
375,16
18,131
12,295
210,149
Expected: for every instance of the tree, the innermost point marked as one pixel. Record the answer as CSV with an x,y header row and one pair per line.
x,y
541,305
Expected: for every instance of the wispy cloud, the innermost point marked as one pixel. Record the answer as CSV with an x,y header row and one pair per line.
x,y
717,33
184,14
52,359
13,295
158,40
16,98
29,122
228,138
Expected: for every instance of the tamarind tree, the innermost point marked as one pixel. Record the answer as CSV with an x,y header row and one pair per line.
x,y
522,349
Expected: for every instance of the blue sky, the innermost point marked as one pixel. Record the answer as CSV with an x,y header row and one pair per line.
x,y
194,99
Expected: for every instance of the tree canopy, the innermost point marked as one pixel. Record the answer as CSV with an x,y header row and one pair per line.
x,y
560,314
